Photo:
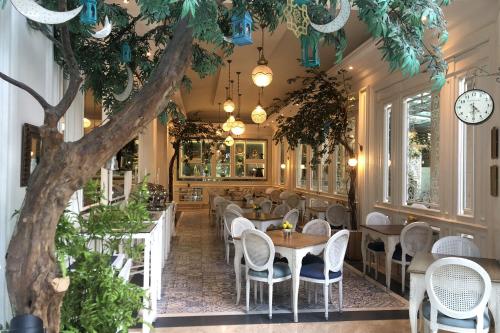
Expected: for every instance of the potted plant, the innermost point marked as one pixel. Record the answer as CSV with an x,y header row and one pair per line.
x,y
257,209
287,229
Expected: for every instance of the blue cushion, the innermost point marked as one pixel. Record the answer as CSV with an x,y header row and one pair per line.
x,y
462,323
316,271
398,254
376,246
312,259
280,270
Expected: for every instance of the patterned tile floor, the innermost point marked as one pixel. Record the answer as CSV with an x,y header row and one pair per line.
x,y
197,280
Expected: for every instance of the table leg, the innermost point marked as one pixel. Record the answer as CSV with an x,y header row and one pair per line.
x,y
417,293
238,254
363,249
295,263
390,246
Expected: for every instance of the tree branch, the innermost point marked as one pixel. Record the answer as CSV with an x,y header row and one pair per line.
x,y
53,115
45,105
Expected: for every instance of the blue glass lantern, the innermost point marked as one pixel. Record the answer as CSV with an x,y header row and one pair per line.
x,y
242,29
310,51
126,53
88,15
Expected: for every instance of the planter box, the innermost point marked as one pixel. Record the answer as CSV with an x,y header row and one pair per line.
x,y
354,246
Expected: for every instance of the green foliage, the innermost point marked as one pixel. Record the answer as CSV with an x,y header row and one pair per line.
x,y
322,117
397,23
401,26
97,299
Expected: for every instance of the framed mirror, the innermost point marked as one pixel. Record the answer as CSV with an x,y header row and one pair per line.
x,y
31,151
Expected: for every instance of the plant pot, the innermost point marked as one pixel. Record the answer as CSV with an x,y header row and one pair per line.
x,y
287,233
26,324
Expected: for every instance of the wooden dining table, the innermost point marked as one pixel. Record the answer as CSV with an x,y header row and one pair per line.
x,y
389,234
262,221
294,248
418,267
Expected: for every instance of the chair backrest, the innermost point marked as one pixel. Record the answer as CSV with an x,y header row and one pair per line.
x,y
458,288
335,250
125,271
456,245
285,194
317,227
258,249
248,197
239,225
418,206
292,217
235,207
293,200
281,210
218,200
376,218
266,206
258,200
269,190
336,215
275,196
229,216
416,237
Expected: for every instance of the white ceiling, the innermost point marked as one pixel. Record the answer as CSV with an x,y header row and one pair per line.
x,y
282,49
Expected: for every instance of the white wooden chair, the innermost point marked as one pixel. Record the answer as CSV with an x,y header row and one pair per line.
x,y
457,246
331,270
281,210
293,201
415,237
275,196
248,198
458,291
239,225
375,248
285,194
316,227
235,207
258,249
336,215
266,206
229,216
292,217
269,190
220,207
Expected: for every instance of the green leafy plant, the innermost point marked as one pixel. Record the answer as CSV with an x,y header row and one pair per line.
x,y
97,299
321,121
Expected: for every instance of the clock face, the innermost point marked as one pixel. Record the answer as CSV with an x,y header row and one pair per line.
x,y
474,106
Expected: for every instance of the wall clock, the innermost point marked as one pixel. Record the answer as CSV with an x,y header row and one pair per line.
x,y
474,106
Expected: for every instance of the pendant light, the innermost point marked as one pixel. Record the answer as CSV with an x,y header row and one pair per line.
x,y
238,127
259,115
262,75
229,141
229,104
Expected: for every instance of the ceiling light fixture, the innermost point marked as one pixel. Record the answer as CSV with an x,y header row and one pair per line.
x,y
229,104
259,115
229,141
238,127
262,75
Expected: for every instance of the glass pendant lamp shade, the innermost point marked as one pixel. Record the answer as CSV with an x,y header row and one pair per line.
x,y
226,127
229,105
259,115
238,128
231,120
262,76
229,141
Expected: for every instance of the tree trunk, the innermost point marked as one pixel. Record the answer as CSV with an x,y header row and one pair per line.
x,y
171,174
65,168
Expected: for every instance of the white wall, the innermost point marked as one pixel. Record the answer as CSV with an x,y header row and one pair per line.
x,y
27,56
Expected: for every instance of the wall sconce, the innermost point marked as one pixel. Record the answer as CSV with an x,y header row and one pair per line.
x,y
283,166
302,166
352,162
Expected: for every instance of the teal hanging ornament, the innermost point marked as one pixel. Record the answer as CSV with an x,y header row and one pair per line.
x,y
88,15
126,53
301,2
310,51
242,29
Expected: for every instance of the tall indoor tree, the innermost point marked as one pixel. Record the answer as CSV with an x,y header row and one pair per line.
x,y
182,34
321,121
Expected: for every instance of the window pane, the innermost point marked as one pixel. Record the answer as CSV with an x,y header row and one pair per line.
x,y
315,177
341,176
223,166
465,162
325,167
422,161
301,166
387,152
282,163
